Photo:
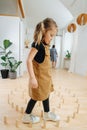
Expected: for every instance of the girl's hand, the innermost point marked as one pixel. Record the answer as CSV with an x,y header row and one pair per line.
x,y
34,83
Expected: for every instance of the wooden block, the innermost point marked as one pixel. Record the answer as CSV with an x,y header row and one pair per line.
x,y
30,125
74,114
22,110
68,119
44,124
8,99
78,108
17,108
5,120
57,123
17,123
12,104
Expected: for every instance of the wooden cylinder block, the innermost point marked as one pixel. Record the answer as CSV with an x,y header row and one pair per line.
x,y
74,114
22,110
30,125
5,120
57,123
12,104
17,123
44,124
68,119
17,108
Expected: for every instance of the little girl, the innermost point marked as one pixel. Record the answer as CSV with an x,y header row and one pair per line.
x,y
39,68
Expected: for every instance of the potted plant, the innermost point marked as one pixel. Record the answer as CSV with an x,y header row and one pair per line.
x,y
5,56
68,55
67,60
13,64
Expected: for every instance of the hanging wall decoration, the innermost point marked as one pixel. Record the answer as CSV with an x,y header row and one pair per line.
x,y
82,19
71,28
26,43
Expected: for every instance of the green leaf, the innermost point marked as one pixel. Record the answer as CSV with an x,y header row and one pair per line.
x,y
7,43
10,63
68,54
14,64
8,53
10,58
4,64
3,58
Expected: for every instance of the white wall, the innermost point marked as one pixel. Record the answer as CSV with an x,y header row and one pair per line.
x,y
21,46
9,29
81,60
79,51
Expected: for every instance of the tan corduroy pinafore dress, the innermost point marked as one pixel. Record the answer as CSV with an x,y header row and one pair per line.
x,y
43,75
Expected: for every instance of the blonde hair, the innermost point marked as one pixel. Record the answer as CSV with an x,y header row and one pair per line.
x,y
42,27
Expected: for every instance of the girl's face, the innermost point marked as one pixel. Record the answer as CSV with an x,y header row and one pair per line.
x,y
49,35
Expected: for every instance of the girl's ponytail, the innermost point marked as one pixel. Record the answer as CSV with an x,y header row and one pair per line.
x,y
39,31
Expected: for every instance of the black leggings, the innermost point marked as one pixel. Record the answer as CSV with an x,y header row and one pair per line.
x,y
32,103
